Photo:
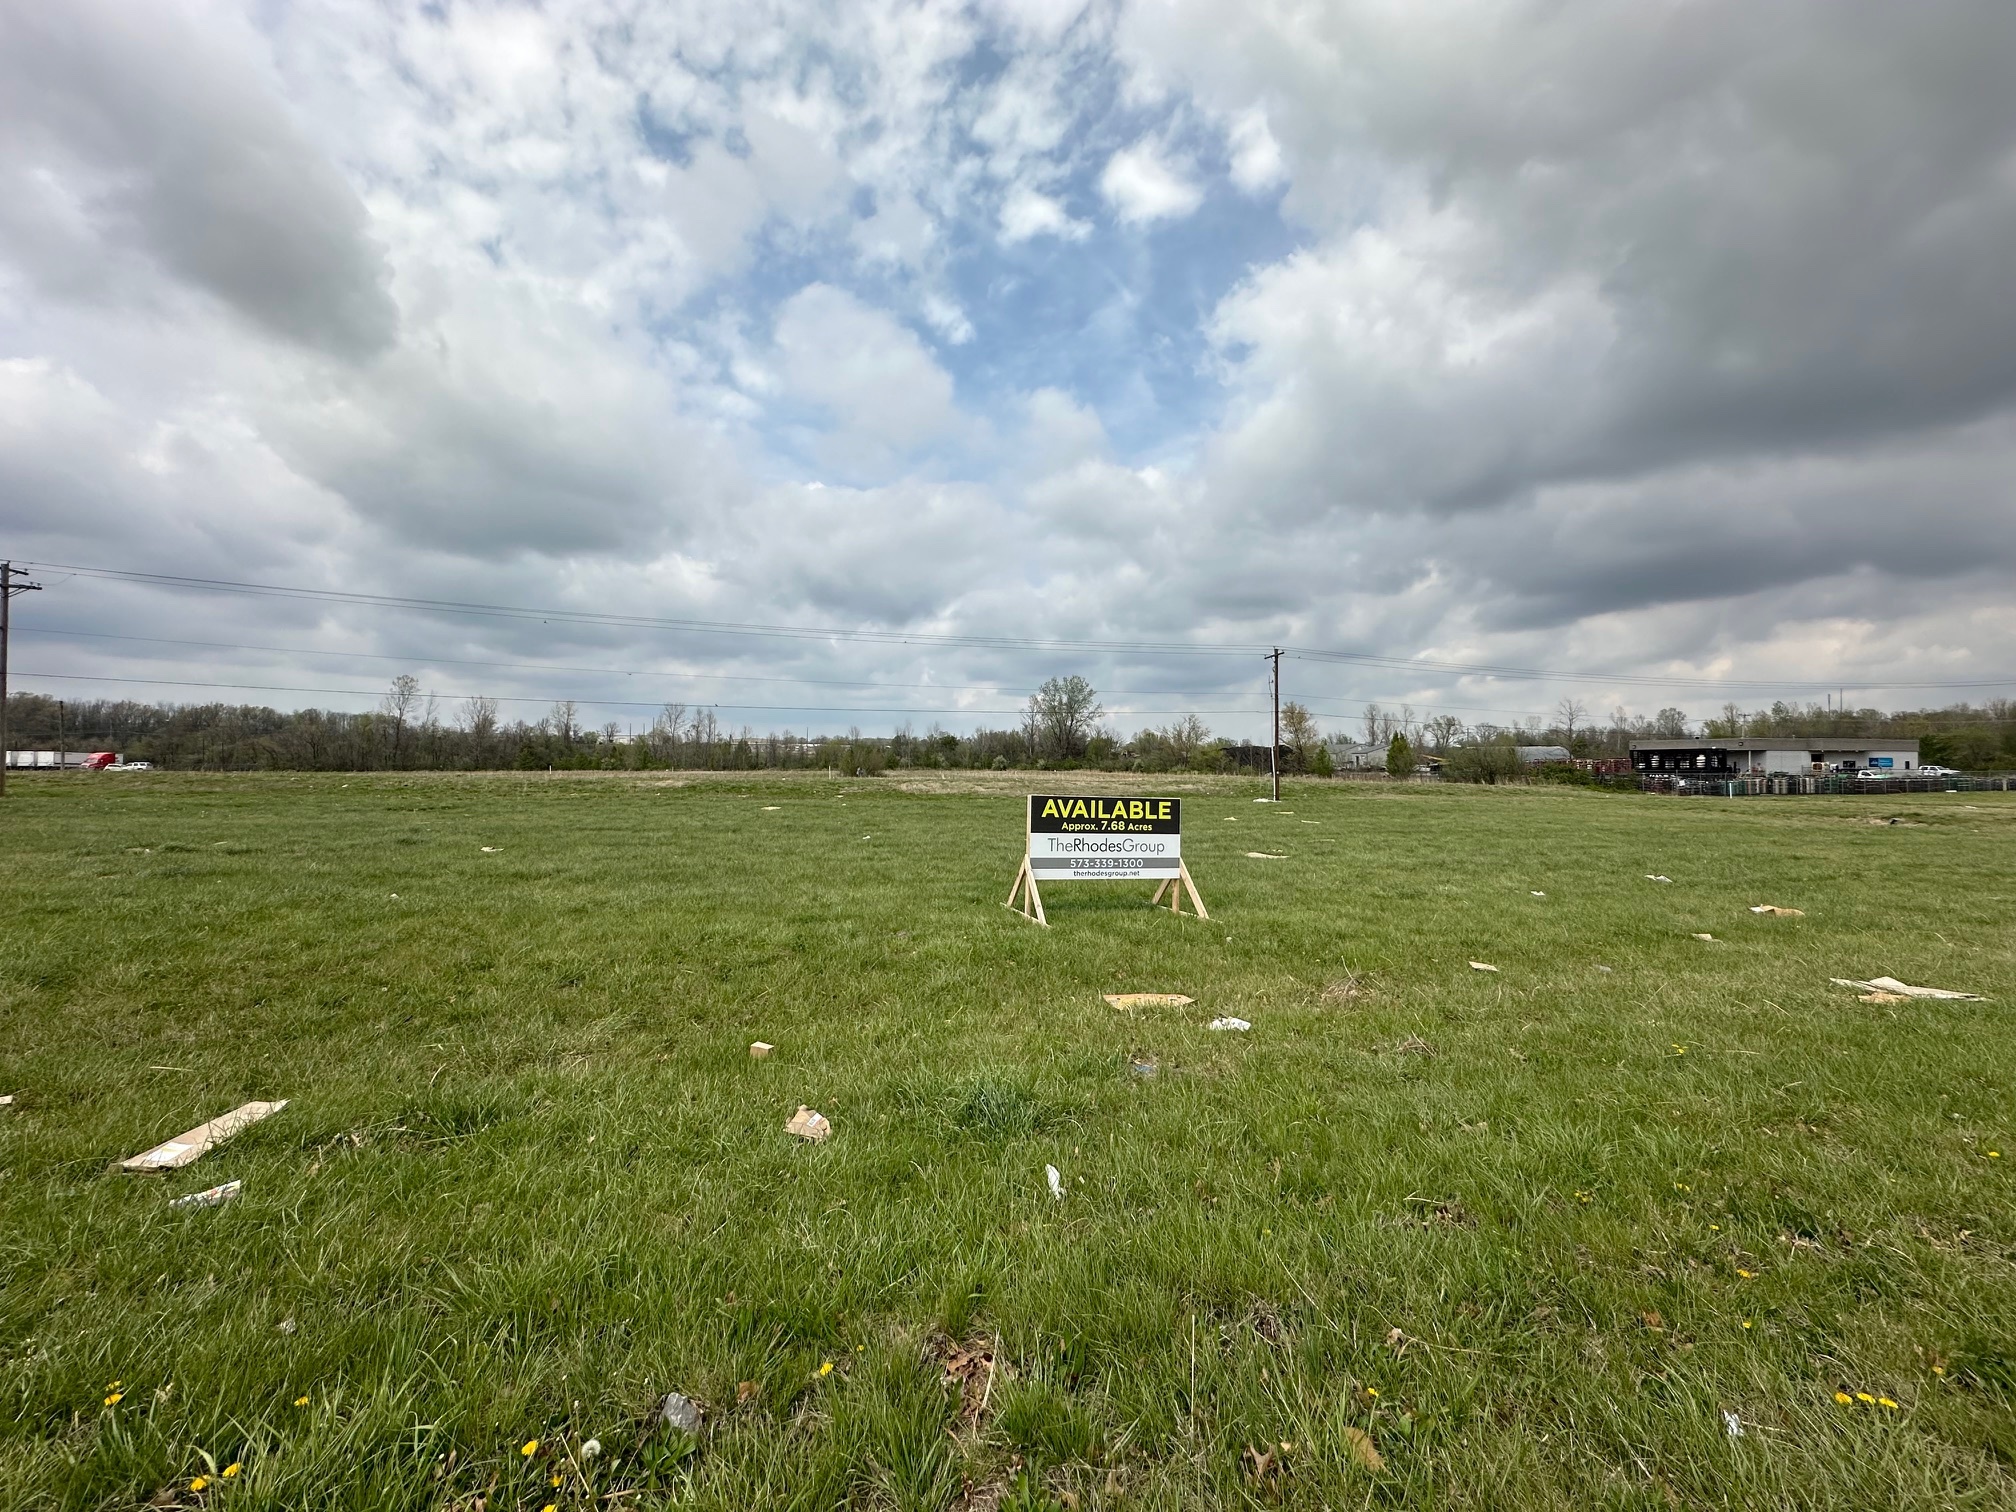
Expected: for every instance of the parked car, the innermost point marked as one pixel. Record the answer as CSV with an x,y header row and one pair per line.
x,y
1938,771
1875,774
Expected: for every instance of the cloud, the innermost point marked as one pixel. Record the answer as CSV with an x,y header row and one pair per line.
x,y
1256,157
883,391
129,141
1526,334
1142,186
1026,214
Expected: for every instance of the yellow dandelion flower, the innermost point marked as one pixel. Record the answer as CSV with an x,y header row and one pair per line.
x,y
1939,1370
531,1448
1746,1322
198,1484
826,1369
1863,1396
300,1401
1715,1227
1994,1154
550,1507
1844,1399
1681,1186
233,1468
1886,1402
113,1399
1371,1391
1746,1275
556,1482
114,1385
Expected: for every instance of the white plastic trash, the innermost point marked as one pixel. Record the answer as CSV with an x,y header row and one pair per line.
x,y
216,1196
1056,1181
1238,1024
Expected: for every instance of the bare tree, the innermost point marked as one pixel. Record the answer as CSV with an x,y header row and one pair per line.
x,y
1571,713
1065,714
398,704
1442,731
1670,723
1376,724
562,717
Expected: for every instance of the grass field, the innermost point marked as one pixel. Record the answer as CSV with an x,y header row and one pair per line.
x,y
1526,1237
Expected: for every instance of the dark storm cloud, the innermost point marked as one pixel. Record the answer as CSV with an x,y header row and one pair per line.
x,y
127,138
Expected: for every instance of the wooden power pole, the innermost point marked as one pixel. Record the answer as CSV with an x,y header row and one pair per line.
x,y
1275,753
9,586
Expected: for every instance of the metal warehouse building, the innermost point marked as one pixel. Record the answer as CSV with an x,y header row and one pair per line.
x,y
1773,756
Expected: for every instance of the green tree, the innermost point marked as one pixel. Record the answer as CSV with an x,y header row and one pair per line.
x,y
1399,757
1492,760
1064,715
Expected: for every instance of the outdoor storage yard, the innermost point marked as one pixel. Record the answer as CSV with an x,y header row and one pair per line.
x,y
1640,1219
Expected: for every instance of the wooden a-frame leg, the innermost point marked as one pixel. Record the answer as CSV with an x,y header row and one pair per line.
x,y
1160,888
1195,901
1025,888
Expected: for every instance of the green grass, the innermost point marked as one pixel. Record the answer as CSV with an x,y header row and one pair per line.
x,y
529,1180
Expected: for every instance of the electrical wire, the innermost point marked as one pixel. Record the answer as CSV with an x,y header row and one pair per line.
x,y
1423,665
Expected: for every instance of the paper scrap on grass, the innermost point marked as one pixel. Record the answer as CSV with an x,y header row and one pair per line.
x,y
173,1154
1776,912
1708,937
808,1125
216,1196
771,808
1237,1024
1536,893
1148,999
490,850
1481,966
1732,1424
1650,878
1891,984
758,1050
1263,856
1056,1181
7,1101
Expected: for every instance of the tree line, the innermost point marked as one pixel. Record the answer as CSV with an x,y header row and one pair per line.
x,y
1063,725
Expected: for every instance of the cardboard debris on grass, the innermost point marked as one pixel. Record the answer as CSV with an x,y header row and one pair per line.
x,y
806,1124
1359,1442
758,1050
1148,999
1898,990
7,1101
1238,1025
215,1196
1482,966
1708,937
173,1154
1776,912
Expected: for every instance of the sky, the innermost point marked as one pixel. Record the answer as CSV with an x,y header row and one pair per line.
x,y
1667,350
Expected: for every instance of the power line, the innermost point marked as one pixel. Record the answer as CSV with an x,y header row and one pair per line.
x,y
618,703
1423,665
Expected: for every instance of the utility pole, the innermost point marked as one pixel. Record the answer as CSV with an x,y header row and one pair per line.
x,y
9,586
1275,752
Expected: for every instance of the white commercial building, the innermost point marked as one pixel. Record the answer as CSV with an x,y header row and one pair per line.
x,y
1773,756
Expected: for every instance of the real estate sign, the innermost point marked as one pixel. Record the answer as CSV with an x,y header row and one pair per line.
x,y
1073,839
1105,839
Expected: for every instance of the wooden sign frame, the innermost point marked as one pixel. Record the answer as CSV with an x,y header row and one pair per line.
x,y
1030,904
